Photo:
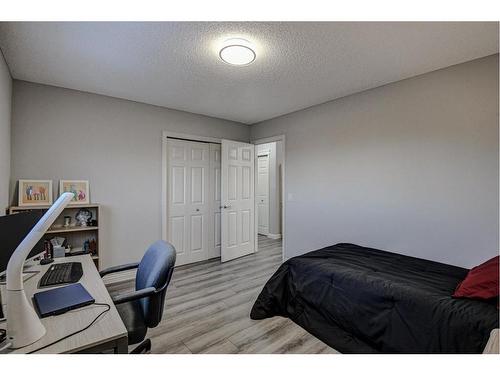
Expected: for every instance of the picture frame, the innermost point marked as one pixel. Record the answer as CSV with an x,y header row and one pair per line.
x,y
35,193
79,188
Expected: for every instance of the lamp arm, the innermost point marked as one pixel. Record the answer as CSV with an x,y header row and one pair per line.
x,y
16,261
23,324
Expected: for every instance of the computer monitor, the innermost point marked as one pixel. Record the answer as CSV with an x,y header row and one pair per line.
x,y
13,229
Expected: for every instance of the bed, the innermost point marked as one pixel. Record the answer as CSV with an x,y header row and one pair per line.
x,y
362,300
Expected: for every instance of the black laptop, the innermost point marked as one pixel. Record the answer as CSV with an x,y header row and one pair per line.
x,y
60,300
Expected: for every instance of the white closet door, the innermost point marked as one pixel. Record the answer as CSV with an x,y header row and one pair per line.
x,y
238,200
262,195
214,194
188,199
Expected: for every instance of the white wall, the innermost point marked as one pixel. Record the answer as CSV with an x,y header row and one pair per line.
x,y
274,150
410,167
115,144
5,116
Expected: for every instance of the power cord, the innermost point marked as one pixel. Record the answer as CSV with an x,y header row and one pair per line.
x,y
6,346
79,331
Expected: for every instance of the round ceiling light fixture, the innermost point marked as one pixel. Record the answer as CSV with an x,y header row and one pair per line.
x,y
237,52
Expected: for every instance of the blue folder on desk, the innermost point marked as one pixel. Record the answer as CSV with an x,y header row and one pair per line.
x,y
60,300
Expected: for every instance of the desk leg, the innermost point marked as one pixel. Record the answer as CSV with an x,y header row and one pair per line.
x,y
121,346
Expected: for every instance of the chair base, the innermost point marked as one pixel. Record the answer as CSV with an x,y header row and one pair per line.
x,y
143,347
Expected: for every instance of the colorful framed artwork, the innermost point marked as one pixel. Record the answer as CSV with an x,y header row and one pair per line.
x,y
79,188
35,193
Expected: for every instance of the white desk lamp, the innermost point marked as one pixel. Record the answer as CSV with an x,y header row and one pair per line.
x,y
23,325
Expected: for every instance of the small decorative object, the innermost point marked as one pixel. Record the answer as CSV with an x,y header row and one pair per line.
x,y
67,221
83,216
86,246
79,188
35,192
93,246
48,249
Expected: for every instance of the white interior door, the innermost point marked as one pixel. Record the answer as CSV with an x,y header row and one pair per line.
x,y
262,194
215,203
188,199
238,200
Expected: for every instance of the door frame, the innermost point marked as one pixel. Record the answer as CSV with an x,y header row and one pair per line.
x,y
164,168
259,141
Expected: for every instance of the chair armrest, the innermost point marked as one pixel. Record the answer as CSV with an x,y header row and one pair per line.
x,y
136,294
123,267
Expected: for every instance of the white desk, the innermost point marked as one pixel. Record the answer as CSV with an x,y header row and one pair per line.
x,y
108,332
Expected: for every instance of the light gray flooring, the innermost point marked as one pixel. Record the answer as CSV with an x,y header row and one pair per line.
x,y
208,306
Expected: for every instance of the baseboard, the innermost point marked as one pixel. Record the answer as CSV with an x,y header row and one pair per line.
x,y
274,236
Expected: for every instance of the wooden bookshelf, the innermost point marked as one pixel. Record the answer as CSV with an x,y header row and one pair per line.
x,y
75,235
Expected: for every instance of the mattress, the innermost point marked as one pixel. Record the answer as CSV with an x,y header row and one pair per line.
x,y
362,300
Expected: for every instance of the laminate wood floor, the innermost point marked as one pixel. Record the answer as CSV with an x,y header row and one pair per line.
x,y
208,306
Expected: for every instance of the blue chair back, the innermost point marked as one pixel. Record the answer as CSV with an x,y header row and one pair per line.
x,y
155,270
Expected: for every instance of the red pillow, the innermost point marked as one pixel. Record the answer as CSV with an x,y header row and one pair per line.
x,y
481,282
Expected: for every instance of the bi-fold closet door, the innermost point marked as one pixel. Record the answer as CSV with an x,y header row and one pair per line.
x,y
238,200
193,211
211,199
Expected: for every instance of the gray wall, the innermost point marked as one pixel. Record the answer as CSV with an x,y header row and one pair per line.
x,y
115,144
5,115
410,167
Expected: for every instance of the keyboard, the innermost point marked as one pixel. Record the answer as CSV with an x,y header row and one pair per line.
x,y
62,273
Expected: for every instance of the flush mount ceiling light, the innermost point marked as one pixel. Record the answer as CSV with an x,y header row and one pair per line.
x,y
237,52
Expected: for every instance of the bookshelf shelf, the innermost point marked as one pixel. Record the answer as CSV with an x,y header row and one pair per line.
x,y
71,229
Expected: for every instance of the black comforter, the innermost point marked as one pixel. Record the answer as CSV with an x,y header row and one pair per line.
x,y
362,300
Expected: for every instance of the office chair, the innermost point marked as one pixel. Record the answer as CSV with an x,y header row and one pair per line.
x,y
143,308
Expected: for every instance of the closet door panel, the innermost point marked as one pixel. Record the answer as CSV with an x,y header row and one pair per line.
x,y
188,206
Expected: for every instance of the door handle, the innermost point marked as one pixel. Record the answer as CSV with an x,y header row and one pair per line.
x,y
225,207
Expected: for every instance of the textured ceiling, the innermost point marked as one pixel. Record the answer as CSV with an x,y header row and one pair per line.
x,y
176,64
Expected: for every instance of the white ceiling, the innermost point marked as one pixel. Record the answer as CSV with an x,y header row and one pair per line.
x,y
176,64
